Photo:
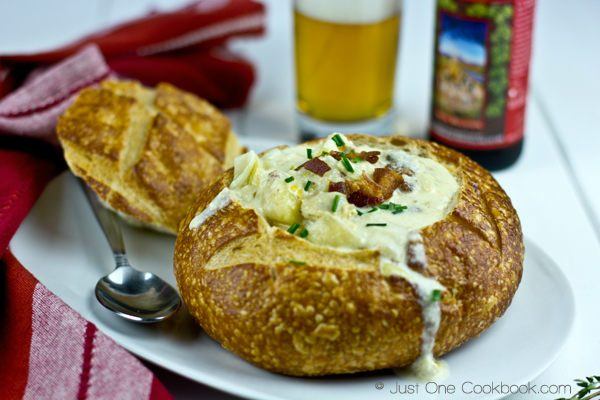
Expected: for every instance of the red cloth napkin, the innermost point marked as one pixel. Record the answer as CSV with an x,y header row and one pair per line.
x,y
50,352
47,350
33,109
185,47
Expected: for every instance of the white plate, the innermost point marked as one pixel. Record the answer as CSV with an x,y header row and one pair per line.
x,y
61,244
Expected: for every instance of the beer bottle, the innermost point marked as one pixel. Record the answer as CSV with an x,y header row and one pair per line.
x,y
482,53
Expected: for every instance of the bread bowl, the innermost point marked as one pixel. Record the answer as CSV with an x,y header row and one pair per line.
x,y
146,152
304,279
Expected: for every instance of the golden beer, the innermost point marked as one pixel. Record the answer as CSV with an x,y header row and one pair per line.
x,y
345,58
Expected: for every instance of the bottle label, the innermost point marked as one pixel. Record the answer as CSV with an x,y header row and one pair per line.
x,y
482,54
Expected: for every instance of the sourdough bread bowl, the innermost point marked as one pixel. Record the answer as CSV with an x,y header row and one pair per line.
x,y
146,152
397,252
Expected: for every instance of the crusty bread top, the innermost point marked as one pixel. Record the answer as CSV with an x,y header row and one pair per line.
x,y
146,152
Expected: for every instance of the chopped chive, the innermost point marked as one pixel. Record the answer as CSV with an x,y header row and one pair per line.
x,y
297,262
309,153
339,142
336,201
378,224
398,209
436,295
359,213
304,233
307,186
289,179
372,210
347,164
395,208
356,159
293,228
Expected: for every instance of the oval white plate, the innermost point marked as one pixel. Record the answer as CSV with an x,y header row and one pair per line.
x,y
61,244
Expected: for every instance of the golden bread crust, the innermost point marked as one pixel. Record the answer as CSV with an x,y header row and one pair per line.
x,y
146,152
338,313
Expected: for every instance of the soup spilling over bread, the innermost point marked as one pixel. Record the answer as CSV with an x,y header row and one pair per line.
x,y
383,226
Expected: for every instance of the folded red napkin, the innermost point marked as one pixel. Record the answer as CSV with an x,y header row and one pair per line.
x,y
33,109
50,352
47,350
185,47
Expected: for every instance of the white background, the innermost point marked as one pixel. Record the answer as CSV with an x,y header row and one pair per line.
x,y
555,186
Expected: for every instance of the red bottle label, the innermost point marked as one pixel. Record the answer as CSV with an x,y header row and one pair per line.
x,y
481,70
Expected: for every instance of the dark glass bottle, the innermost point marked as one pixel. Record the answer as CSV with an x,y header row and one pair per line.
x,y
482,53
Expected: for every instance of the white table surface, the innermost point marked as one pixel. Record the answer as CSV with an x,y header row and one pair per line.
x,y
555,186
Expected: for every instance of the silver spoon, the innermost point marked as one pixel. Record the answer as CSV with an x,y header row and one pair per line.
x,y
135,295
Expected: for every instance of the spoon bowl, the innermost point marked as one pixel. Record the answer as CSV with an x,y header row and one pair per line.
x,y
137,296
134,295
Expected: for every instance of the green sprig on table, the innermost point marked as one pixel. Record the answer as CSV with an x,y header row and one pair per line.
x,y
590,388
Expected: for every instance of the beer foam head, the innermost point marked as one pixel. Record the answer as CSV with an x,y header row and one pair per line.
x,y
349,11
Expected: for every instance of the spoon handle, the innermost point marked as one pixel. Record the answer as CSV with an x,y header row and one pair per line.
x,y
109,224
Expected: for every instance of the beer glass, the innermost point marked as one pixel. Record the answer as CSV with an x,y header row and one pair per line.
x,y
345,55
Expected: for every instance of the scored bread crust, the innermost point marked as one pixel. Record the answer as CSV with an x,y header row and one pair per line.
x,y
337,313
146,152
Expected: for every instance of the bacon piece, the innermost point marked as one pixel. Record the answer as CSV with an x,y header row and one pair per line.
x,y
364,192
337,187
360,199
336,154
371,156
390,180
369,192
316,166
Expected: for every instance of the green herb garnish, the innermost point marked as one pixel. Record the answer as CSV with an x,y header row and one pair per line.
x,y
309,153
398,209
347,164
293,228
359,212
378,224
395,208
297,262
289,179
372,210
590,388
307,186
339,142
304,233
336,201
436,295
